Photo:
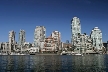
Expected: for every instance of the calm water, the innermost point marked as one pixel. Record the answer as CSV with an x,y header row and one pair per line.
x,y
54,63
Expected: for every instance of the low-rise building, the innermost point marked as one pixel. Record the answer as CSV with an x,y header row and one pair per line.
x,y
56,35
86,43
67,45
33,50
49,44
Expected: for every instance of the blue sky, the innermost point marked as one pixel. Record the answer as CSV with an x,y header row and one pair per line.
x,y
54,15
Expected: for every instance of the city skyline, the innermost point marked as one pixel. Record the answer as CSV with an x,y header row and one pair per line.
x,y
54,15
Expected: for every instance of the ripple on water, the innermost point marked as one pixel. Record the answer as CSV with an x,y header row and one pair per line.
x,y
54,63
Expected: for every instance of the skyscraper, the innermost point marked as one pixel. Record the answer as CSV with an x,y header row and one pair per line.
x,y
96,36
75,30
21,38
67,41
39,35
12,41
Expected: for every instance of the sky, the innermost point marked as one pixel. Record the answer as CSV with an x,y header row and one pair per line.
x,y
54,15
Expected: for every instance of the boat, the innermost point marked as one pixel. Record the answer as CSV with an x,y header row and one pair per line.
x,y
63,53
69,54
32,53
79,54
3,54
20,54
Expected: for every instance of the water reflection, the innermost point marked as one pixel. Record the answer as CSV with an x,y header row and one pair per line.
x,y
89,63
54,63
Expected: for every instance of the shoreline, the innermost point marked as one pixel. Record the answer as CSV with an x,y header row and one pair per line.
x,y
47,54
33,54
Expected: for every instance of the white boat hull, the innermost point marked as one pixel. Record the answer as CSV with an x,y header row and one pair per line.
x,y
79,54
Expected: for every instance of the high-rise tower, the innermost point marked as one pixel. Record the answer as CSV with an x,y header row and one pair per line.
x,y
21,38
12,41
75,30
39,35
96,36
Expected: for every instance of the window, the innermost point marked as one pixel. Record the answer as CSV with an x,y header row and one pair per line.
x,y
81,39
78,33
43,32
78,29
73,28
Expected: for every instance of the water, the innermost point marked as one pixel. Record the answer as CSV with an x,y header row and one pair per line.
x,y
54,63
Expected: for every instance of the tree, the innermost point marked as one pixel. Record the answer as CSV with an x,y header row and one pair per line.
x,y
67,46
103,50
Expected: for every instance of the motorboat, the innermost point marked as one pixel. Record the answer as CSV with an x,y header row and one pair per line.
x,y
63,53
79,54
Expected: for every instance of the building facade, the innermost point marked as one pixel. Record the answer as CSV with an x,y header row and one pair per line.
x,y
49,44
12,42
85,43
39,35
81,43
57,39
21,38
67,41
96,36
75,31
